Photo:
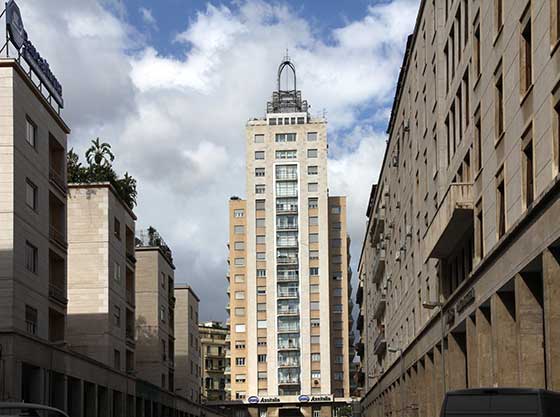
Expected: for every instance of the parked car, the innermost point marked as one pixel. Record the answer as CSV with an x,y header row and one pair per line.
x,y
29,410
489,402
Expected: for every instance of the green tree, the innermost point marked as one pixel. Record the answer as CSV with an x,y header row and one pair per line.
x,y
99,154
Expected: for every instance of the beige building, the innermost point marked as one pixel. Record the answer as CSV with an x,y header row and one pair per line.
x,y
188,374
213,346
38,363
459,268
101,275
288,267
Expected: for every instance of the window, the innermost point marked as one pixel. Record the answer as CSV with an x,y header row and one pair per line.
x,y
337,276
287,189
554,22
476,52
261,375
272,121
31,257
261,273
261,256
288,154
312,170
337,259
261,341
315,374
240,378
239,344
528,167
313,254
31,132
286,172
314,288
240,295
259,223
30,194
338,342
337,308
261,306
500,203
260,239
315,322
479,230
239,229
162,280
239,261
259,155
261,358
313,271
239,279
477,141
315,357
335,209
311,136
238,213
259,189
259,172
261,290
261,324
117,316
240,395
314,306
239,311
162,314
259,138
337,292
240,328
525,52
315,340
312,187
313,203
316,412
313,237
239,245
312,153
338,376
336,243
285,137
240,361
117,359
498,15
31,319
499,105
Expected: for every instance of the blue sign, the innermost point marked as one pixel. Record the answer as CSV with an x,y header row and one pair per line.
x,y
14,24
253,399
303,398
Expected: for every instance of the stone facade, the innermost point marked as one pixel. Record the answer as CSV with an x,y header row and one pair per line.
x,y
459,264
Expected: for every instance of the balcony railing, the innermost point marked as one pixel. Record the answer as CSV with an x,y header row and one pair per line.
x,y
288,380
288,293
379,344
286,311
287,243
378,265
130,257
287,277
130,296
288,346
57,179
286,226
287,260
57,294
286,208
453,218
57,236
289,328
292,362
379,304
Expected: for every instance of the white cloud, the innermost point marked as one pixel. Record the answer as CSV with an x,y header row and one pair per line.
x,y
147,17
177,122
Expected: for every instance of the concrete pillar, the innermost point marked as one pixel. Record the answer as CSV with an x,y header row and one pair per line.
x,y
438,378
551,282
472,353
429,384
456,360
504,337
530,330
484,343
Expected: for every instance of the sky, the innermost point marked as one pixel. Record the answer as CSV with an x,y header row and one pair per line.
x,y
170,84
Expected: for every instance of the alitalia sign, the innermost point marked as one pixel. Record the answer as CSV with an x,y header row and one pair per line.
x,y
253,399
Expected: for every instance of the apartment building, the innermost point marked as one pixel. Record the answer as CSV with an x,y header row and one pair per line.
x,y
459,266
155,313
188,374
288,266
214,362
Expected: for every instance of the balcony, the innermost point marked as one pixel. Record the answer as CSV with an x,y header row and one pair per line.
x,y
380,344
287,260
57,164
288,293
286,226
131,258
360,294
288,311
360,323
379,305
57,179
378,265
57,294
453,218
360,348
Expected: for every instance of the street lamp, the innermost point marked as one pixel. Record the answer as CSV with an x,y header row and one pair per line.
x,y
394,349
430,305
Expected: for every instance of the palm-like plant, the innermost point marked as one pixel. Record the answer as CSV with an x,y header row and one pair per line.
x,y
99,154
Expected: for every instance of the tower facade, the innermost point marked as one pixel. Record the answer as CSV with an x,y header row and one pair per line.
x,y
288,263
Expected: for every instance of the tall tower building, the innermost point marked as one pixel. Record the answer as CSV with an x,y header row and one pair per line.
x,y
288,265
